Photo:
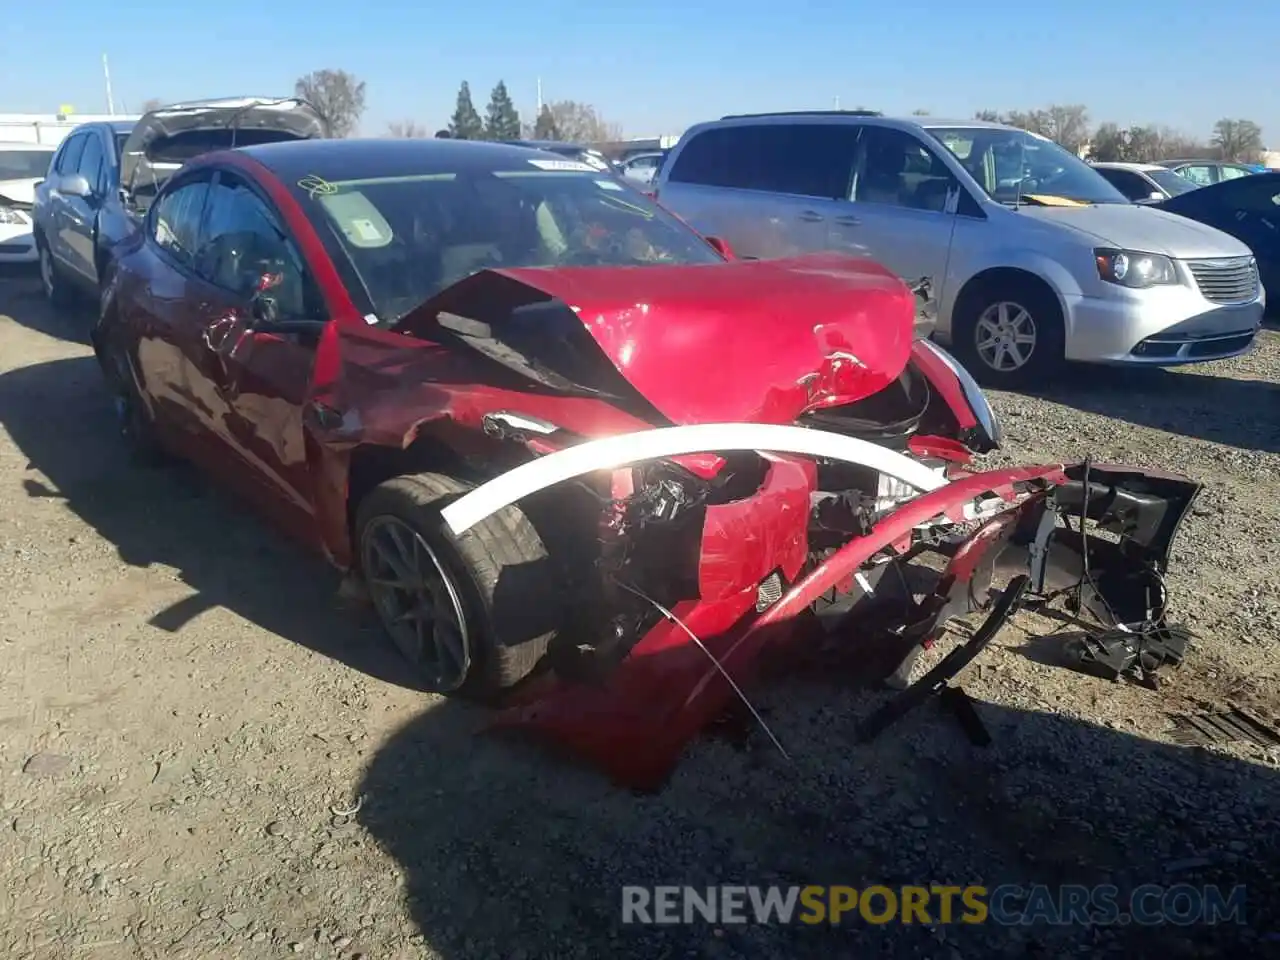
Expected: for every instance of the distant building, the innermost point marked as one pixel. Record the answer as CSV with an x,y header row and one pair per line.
x,y
48,127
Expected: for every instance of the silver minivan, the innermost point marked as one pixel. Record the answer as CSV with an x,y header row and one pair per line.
x,y
1034,257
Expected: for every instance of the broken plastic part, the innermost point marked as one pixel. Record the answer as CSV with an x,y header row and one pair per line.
x,y
612,452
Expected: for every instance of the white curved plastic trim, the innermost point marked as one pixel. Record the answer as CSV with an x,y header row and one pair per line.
x,y
664,442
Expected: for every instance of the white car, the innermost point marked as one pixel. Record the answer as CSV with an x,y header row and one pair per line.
x,y
1035,259
22,166
1144,182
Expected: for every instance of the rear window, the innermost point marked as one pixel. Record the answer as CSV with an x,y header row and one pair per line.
x,y
805,159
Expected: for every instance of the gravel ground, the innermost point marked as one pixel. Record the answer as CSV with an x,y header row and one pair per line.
x,y
183,702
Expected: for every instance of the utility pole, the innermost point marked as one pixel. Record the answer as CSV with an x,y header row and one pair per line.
x,y
106,75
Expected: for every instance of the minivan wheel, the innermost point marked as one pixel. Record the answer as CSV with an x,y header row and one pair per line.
x,y
55,288
1010,335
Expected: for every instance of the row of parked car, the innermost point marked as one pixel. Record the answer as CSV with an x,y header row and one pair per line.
x,y
1035,256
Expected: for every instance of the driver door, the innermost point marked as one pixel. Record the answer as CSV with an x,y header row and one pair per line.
x,y
261,379
901,209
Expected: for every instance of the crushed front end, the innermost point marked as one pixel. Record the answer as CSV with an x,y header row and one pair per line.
x,y
698,577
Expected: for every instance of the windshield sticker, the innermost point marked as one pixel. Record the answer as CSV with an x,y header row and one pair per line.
x,y
367,229
574,165
609,185
317,186
1049,200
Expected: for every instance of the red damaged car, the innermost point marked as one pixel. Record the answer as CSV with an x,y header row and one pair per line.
x,y
583,460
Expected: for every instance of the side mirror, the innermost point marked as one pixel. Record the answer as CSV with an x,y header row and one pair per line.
x,y
721,246
74,185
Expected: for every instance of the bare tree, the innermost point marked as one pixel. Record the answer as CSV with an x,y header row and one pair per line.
x,y
337,95
1238,140
407,130
988,116
580,123
152,104
1067,125
920,113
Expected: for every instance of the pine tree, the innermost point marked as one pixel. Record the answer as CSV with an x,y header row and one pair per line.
x,y
465,124
545,126
502,122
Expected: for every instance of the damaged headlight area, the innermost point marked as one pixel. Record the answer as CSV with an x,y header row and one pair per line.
x,y
832,551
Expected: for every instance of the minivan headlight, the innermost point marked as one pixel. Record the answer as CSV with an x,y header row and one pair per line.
x,y
1131,268
11,217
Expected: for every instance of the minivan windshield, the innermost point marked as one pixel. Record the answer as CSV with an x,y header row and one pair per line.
x,y
410,237
1014,165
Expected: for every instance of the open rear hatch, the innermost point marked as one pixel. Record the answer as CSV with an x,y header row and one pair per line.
x,y
168,137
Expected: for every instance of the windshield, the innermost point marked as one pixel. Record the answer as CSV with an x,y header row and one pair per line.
x,y
410,237
1012,164
24,164
1172,183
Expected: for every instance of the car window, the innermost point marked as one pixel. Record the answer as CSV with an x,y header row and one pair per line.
x,y
806,159
69,158
1174,184
91,163
24,164
408,237
896,169
1230,172
1200,174
243,249
1013,165
175,220
1131,184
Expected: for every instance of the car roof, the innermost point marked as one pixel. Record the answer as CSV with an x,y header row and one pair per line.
x,y
341,159
852,116
1127,165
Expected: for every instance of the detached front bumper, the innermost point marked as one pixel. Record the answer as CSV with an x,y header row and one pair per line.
x,y
675,682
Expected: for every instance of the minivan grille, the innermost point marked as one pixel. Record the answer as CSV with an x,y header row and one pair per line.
x,y
1231,280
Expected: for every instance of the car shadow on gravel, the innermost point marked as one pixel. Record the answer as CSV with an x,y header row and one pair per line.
x,y
22,300
59,417
507,852
1238,413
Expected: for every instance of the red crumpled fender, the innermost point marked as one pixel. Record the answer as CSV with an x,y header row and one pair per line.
x,y
635,725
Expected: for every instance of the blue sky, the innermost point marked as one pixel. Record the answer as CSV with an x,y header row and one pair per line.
x,y
655,66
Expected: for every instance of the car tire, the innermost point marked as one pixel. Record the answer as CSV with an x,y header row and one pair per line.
x,y
136,427
52,281
1007,312
494,582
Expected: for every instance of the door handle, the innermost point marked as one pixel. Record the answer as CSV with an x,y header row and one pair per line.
x,y
810,216
848,221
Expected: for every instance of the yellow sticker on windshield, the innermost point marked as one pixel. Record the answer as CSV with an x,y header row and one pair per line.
x,y
1051,201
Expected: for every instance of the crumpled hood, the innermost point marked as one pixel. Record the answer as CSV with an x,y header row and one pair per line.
x,y
760,340
21,191
1144,228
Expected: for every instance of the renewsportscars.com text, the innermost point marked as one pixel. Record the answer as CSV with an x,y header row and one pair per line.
x,y
1009,904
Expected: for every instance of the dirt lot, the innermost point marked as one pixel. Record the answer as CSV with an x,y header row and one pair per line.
x,y
183,703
